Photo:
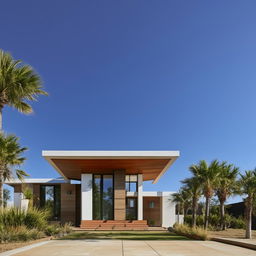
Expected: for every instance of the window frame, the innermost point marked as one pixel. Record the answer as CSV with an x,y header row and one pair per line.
x,y
129,182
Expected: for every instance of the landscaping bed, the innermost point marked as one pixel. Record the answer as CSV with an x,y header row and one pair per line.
x,y
190,232
230,233
14,245
19,228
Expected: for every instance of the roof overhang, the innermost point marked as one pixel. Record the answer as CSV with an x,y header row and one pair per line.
x,y
71,164
36,181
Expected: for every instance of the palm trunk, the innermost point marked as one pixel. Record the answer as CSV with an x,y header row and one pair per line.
x,y
1,119
248,232
178,214
222,215
1,192
1,174
207,211
185,212
194,209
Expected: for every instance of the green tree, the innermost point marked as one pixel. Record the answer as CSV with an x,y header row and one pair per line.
x,y
10,160
179,200
207,175
226,186
6,196
182,200
19,84
247,185
193,187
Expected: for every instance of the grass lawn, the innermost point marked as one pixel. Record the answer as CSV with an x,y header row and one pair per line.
x,y
125,235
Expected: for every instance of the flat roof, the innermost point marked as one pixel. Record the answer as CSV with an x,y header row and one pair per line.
x,y
71,164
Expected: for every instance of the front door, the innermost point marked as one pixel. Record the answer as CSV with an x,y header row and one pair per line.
x,y
131,208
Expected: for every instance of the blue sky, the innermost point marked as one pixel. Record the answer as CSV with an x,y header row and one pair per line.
x,y
137,75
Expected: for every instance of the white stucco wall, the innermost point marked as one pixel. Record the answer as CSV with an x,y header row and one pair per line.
x,y
86,197
168,210
17,199
140,197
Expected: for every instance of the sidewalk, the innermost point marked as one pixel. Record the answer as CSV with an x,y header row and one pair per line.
x,y
246,243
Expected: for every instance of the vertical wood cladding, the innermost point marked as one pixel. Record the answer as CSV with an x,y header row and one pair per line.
x,y
119,195
17,188
36,195
68,203
152,215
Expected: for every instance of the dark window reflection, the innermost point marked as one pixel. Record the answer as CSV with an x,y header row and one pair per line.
x,y
103,197
50,199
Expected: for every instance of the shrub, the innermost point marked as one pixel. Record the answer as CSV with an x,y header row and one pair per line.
x,y
21,233
199,220
36,218
33,218
214,220
53,230
237,223
28,193
194,233
18,225
67,228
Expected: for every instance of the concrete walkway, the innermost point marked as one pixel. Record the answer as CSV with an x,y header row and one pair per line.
x,y
246,243
134,248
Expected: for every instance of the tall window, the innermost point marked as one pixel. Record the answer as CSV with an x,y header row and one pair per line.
x,y
131,183
131,208
50,199
103,203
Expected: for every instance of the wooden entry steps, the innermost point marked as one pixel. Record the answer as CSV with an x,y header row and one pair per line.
x,y
114,225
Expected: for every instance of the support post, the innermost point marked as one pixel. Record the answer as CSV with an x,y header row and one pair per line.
x,y
86,196
140,196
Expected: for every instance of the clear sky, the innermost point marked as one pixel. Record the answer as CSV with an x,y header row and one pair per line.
x,y
137,75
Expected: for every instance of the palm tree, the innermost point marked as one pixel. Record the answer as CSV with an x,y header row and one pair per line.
x,y
179,200
182,200
18,84
186,195
194,187
10,159
226,186
207,175
247,184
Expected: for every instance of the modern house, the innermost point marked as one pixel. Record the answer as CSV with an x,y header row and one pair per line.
x,y
104,189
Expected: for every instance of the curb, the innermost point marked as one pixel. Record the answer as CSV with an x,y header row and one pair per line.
x,y
236,243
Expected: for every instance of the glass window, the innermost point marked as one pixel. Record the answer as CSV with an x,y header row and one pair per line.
x,y
50,199
127,186
131,203
97,197
151,204
131,208
131,182
103,202
133,187
107,198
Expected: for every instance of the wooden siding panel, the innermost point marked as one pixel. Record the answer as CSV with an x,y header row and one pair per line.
x,y
119,195
68,203
152,215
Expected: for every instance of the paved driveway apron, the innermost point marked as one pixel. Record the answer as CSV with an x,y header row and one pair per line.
x,y
135,248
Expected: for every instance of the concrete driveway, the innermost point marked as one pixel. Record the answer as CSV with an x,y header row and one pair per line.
x,y
133,248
